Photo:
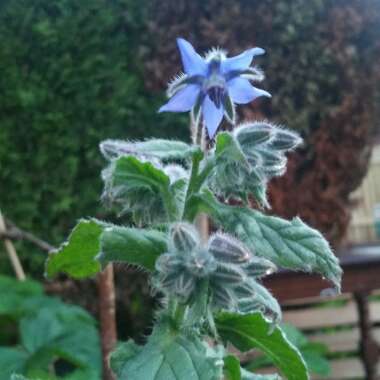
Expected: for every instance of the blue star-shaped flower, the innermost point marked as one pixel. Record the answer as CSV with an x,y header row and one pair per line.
x,y
212,85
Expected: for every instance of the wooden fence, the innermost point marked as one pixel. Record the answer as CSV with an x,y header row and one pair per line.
x,y
351,327
365,199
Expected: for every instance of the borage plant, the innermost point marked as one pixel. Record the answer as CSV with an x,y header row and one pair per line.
x,y
213,304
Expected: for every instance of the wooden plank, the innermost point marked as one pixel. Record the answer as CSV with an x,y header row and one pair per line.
x,y
361,274
317,318
339,341
342,369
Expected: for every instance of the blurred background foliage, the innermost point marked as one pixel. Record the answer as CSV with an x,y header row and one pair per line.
x,y
74,73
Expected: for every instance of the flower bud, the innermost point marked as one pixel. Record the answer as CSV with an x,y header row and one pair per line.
x,y
285,140
253,133
183,238
227,249
259,267
184,285
228,275
223,298
168,263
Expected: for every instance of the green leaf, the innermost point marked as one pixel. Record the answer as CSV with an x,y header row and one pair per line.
x,y
133,246
255,297
141,188
250,331
157,148
226,147
288,244
76,257
11,302
232,368
122,353
169,355
313,353
65,332
12,360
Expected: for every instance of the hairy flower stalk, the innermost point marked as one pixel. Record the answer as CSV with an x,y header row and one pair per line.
x,y
212,85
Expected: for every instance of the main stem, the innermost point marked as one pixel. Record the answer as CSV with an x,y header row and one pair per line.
x,y
201,220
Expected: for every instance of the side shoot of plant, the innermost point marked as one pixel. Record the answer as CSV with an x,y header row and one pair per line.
x,y
208,279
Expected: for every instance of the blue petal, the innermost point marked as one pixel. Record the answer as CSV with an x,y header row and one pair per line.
x,y
193,63
183,100
212,116
242,92
241,61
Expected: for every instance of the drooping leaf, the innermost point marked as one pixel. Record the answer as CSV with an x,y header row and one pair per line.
x,y
250,331
132,245
288,244
156,148
76,257
171,355
142,189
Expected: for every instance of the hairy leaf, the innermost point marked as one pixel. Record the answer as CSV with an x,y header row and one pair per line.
x,y
253,297
132,245
288,244
250,331
142,189
76,257
172,356
122,353
156,148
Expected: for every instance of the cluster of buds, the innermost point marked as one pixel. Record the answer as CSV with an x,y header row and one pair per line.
x,y
261,156
230,269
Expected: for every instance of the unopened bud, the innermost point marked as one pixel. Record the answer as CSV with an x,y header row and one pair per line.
x,y
227,249
228,275
183,237
253,133
259,267
285,140
223,298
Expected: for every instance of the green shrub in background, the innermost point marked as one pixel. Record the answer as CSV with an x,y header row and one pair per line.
x,y
74,72
44,338
69,78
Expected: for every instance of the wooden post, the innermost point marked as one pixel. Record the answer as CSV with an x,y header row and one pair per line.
x,y
369,349
107,311
12,254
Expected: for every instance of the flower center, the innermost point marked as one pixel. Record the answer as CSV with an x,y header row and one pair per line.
x,y
215,84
